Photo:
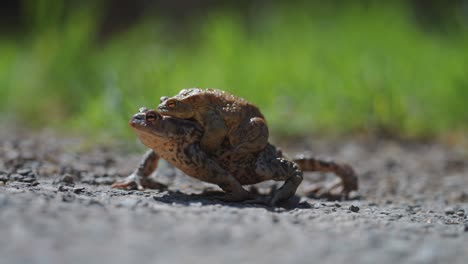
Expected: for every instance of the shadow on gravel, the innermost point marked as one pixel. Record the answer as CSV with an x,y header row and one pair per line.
x,y
208,198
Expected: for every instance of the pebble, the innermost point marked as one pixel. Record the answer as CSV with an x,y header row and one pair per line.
x,y
35,183
95,202
449,211
24,171
68,197
3,177
15,177
29,179
461,212
89,180
63,188
78,190
354,208
67,179
104,181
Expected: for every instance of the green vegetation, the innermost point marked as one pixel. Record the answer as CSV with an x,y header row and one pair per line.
x,y
317,69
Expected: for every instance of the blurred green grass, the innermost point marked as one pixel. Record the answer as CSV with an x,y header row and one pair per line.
x,y
311,70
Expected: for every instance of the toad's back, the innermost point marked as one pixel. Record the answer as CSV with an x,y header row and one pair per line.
x,y
233,109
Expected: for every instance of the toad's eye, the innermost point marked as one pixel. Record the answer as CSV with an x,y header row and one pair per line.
x,y
151,116
171,104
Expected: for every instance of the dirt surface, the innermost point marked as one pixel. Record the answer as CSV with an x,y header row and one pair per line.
x,y
56,206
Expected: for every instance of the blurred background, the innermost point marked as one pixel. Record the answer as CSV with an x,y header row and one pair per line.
x,y
395,68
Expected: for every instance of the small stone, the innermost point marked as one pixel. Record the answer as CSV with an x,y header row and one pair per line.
x,y
354,208
275,218
317,206
461,212
67,179
104,181
78,190
24,171
3,177
449,211
95,202
29,179
68,197
89,180
2,183
35,183
15,177
63,188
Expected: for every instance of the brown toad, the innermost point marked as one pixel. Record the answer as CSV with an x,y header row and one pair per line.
x,y
221,115
177,141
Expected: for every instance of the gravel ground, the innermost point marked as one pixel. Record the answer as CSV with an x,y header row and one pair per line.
x,y
56,206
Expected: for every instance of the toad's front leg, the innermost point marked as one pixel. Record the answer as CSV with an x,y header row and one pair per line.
x,y
215,132
140,177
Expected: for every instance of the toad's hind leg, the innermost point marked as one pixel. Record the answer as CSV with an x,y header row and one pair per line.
x,y
349,180
210,171
279,169
252,136
140,176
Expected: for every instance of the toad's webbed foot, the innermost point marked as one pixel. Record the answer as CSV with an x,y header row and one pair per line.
x,y
140,179
134,181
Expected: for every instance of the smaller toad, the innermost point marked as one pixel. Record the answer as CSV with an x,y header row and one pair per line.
x,y
222,115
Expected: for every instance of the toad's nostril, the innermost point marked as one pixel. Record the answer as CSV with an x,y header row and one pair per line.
x,y
139,116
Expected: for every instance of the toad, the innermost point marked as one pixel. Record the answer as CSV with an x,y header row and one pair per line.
x,y
177,141
222,115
